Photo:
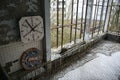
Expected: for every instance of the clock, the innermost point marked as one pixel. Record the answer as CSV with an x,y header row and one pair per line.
x,y
31,59
31,28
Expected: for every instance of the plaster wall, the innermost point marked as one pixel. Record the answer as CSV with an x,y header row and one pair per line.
x,y
11,47
10,54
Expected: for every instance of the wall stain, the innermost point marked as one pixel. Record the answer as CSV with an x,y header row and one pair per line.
x,y
11,12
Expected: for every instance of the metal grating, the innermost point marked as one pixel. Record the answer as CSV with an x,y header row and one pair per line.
x,y
68,20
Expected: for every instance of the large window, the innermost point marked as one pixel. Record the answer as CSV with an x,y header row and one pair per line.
x,y
68,21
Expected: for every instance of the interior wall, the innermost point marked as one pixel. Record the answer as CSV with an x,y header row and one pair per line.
x,y
11,47
10,13
10,55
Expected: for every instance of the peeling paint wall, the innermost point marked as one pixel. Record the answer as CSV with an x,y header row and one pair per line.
x,y
11,47
10,13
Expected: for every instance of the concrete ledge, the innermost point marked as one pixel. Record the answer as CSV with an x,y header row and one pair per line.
x,y
112,37
81,47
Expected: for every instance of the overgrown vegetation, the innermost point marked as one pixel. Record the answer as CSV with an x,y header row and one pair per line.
x,y
115,22
113,26
66,36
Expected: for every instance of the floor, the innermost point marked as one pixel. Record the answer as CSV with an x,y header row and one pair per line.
x,y
102,63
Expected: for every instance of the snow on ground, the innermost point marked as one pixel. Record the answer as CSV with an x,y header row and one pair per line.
x,y
101,68
104,64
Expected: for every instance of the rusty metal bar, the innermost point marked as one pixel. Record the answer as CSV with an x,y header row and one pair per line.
x,y
85,19
97,14
119,23
106,15
105,6
101,16
68,25
82,20
62,23
57,22
71,21
90,20
76,21
93,28
110,15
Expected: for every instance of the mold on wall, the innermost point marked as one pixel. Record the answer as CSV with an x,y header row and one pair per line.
x,y
11,47
8,33
10,13
32,6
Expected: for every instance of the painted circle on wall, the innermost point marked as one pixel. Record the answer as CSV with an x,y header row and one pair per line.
x,y
31,59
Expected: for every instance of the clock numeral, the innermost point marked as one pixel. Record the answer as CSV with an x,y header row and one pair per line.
x,y
38,37
38,31
28,39
32,21
24,25
22,31
33,37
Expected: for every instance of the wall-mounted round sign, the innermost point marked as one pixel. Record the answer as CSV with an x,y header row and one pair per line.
x,y
31,59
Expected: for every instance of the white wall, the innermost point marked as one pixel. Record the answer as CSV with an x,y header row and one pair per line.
x,y
11,52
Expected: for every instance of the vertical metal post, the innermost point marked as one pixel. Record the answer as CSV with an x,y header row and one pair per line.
x,y
85,19
118,12
93,28
71,21
88,18
97,16
45,7
101,16
119,19
76,21
110,16
57,22
62,23
81,28
106,16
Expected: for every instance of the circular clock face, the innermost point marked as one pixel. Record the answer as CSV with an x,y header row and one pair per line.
x,y
31,28
31,59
